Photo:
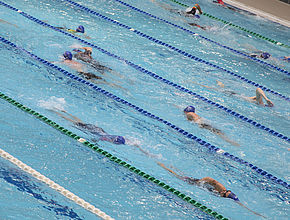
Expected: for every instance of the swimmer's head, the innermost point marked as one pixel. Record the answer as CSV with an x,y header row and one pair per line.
x,y
229,194
67,55
189,109
265,55
191,10
119,140
80,29
197,16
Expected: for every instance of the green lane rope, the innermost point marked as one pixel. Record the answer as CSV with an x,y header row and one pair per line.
x,y
236,26
97,149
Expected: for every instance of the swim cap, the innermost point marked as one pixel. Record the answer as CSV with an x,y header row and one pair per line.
x,y
190,10
113,139
119,140
189,109
80,29
197,16
67,55
233,196
265,55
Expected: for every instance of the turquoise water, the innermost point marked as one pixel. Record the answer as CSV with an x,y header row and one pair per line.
x,y
113,189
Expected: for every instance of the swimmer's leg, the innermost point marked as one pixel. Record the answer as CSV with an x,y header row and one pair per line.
x,y
171,171
73,120
225,138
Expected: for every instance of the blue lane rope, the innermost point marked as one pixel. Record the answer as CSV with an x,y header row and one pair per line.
x,y
205,38
203,143
176,49
181,88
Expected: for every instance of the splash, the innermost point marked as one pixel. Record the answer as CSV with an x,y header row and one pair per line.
x,y
53,103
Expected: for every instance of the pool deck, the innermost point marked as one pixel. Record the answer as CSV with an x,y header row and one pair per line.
x,y
273,10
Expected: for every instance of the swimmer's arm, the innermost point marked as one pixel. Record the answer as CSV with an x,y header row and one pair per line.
x,y
171,171
241,204
143,151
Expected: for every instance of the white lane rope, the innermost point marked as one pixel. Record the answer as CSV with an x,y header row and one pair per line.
x,y
55,186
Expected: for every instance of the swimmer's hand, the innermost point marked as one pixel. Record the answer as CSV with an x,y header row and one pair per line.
x,y
269,103
220,84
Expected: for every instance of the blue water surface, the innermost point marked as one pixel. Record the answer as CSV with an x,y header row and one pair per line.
x,y
114,189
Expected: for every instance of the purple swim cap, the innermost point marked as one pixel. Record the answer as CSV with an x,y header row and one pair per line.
x,y
113,139
80,29
119,140
265,55
189,109
67,55
233,196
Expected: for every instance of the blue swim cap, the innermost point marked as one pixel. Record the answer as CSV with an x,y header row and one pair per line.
x,y
197,16
67,55
119,140
80,29
233,196
265,55
189,109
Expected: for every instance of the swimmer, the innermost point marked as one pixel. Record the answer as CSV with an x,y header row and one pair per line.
x,y
78,67
86,56
263,55
80,29
72,63
95,130
68,60
286,58
195,10
258,99
260,95
211,185
221,3
189,111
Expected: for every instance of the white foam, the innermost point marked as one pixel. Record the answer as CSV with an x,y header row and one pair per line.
x,y
53,103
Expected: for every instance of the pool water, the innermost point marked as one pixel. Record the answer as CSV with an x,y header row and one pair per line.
x,y
113,189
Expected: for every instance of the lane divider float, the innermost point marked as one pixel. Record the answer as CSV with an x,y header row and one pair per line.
x,y
55,186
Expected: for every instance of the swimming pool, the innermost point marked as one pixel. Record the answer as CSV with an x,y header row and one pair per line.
x,y
110,187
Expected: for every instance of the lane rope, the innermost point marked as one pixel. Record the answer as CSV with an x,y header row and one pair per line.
x,y
236,26
55,186
176,86
102,152
201,142
205,38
